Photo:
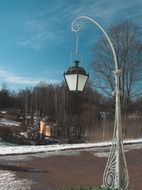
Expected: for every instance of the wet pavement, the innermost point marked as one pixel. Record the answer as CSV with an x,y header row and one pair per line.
x,y
63,169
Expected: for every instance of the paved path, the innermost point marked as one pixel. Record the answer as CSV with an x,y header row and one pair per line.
x,y
78,169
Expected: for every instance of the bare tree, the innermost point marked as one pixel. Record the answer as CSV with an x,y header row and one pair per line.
x,y
128,47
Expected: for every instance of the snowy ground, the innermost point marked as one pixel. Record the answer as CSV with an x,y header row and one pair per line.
x,y
7,149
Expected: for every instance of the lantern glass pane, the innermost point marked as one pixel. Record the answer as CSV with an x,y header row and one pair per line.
x,y
71,80
82,79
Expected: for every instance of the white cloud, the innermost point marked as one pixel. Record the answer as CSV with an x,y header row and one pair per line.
x,y
11,78
48,27
40,32
104,11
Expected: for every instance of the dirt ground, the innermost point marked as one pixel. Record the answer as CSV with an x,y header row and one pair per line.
x,y
84,169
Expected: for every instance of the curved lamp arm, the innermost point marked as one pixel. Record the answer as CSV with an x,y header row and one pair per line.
x,y
76,27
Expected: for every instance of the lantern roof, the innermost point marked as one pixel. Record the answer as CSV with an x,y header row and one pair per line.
x,y
76,69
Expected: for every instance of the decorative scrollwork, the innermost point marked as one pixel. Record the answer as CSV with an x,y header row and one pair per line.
x,y
110,179
110,172
75,26
116,174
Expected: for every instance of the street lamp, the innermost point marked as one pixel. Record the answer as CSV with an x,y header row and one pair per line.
x,y
76,77
116,172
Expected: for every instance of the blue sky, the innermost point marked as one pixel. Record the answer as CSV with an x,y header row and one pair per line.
x,y
36,40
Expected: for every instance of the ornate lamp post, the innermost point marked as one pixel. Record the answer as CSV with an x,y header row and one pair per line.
x,y
115,173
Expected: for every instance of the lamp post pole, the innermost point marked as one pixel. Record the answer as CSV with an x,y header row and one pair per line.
x,y
115,173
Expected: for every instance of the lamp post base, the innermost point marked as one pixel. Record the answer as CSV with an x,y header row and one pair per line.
x,y
116,173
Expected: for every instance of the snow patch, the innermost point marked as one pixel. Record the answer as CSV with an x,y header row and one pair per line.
x,y
102,154
25,134
9,122
8,181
